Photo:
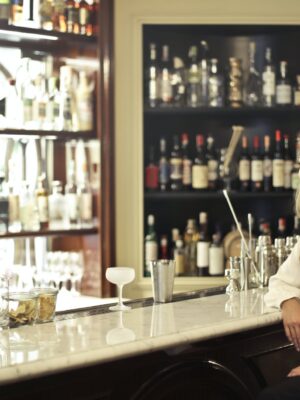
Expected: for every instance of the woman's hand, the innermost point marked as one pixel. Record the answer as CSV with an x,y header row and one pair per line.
x,y
294,372
291,320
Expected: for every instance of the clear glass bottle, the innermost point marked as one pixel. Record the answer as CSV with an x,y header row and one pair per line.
x,y
191,236
84,17
204,73
216,256
166,90
152,74
268,80
283,86
297,92
215,85
40,103
193,80
203,246
66,107
179,257
29,216
13,199
179,82
42,201
84,102
71,195
4,206
212,164
253,83
57,209
85,199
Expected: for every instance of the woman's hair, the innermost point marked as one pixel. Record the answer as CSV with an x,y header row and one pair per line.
x,y
297,202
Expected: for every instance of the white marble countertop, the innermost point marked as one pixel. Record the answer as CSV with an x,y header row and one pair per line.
x,y
30,351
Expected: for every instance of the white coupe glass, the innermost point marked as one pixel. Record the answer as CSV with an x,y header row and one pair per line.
x,y
120,276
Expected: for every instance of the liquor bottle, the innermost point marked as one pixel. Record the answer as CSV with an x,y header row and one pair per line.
x,y
191,236
42,200
153,74
4,207
186,163
235,83
268,80
152,172
13,198
85,199
16,12
164,247
84,17
253,83
179,82
278,164
164,167
71,195
212,164
267,164
179,257
166,91
29,215
295,179
288,163
5,8
176,166
244,166
296,228
151,246
57,209
215,85
59,16
216,256
175,234
264,227
297,92
204,73
71,15
283,86
46,14
66,106
193,80
281,230
84,102
256,167
200,168
203,246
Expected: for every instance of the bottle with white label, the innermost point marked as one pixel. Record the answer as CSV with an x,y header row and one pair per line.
x,y
200,168
42,200
216,256
151,245
166,90
278,164
244,166
268,80
203,246
283,86
256,167
71,196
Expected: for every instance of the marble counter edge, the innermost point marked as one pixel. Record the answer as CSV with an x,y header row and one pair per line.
x,y
115,352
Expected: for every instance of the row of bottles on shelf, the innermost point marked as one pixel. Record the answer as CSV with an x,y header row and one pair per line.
x,y
259,169
202,83
72,16
198,253
30,202
39,97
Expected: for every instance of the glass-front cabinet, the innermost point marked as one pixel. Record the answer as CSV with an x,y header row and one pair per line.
x,y
216,107
55,109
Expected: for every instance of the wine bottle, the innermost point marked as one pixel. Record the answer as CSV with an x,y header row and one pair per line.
x,y
186,163
267,164
151,245
283,86
151,176
164,167
269,79
256,167
203,246
212,164
200,168
281,230
295,179
278,164
176,166
253,83
204,73
244,166
288,163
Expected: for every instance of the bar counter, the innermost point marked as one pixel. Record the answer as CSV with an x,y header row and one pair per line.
x,y
97,340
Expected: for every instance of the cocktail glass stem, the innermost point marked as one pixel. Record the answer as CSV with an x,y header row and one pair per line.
x,y
120,290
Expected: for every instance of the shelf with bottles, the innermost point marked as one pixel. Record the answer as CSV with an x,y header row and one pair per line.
x,y
57,135
52,232
209,69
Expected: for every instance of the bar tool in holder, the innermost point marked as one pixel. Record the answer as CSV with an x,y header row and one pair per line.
x,y
281,252
233,275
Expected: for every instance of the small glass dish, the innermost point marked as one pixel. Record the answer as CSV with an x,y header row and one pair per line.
x,y
46,303
22,308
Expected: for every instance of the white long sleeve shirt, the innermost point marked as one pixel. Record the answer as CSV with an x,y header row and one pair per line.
x,y
285,284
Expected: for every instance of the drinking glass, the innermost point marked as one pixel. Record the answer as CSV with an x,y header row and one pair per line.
x,y
120,276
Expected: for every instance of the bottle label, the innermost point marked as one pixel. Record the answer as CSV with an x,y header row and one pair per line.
x,y
278,173
14,208
268,78
256,170
202,254
244,170
72,206
216,260
297,98
163,172
153,92
176,169
288,165
166,88
200,177
295,181
43,208
212,166
283,94
86,209
267,167
151,251
187,172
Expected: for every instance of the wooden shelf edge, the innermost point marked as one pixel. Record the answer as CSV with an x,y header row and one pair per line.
x,y
58,135
51,232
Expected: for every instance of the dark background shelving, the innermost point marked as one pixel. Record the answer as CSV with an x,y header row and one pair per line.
x,y
224,41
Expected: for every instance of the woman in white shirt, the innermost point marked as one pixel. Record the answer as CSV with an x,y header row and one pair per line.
x,y
284,293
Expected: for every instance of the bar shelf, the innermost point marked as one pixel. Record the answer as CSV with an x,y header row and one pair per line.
x,y
59,135
52,232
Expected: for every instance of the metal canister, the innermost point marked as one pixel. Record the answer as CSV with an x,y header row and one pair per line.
x,y
235,83
267,261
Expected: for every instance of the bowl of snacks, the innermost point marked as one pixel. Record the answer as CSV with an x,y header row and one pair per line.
x,y
22,308
46,303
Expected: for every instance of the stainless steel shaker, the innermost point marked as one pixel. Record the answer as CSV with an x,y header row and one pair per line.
x,y
267,260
